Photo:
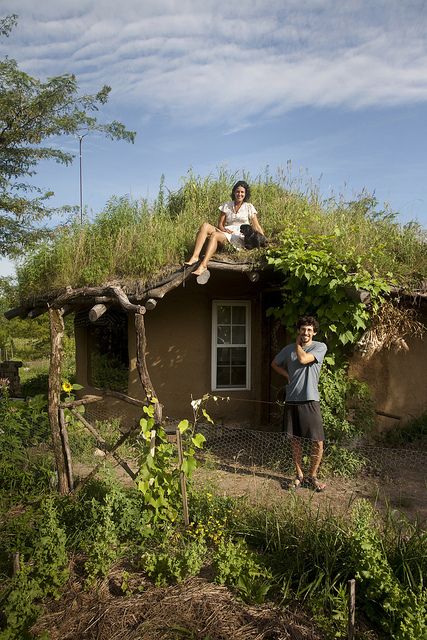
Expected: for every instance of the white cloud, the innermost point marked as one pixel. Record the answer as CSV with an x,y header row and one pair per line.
x,y
209,63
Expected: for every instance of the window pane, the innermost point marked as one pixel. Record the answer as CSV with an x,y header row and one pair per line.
x,y
223,377
239,335
238,376
224,314
239,315
224,355
224,335
238,356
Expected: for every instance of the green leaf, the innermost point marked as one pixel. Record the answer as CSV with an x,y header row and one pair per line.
x,y
183,426
198,440
207,416
188,466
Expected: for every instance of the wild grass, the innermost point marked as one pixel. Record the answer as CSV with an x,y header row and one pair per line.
x,y
132,240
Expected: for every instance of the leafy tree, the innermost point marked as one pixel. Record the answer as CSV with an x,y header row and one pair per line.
x,y
31,112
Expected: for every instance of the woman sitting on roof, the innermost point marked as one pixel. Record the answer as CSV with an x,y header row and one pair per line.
x,y
233,214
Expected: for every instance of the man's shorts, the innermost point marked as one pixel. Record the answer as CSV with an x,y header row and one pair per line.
x,y
303,420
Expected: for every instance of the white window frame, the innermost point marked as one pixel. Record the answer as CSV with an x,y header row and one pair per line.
x,y
230,303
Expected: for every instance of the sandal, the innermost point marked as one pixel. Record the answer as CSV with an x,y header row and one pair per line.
x,y
297,482
314,484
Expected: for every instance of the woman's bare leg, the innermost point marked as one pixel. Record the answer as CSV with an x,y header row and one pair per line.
x,y
214,240
205,230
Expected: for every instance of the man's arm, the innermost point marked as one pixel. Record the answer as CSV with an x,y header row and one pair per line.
x,y
280,370
303,356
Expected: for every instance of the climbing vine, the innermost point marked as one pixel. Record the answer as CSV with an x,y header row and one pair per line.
x,y
319,282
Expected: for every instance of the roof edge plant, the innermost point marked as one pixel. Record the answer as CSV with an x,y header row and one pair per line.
x,y
319,281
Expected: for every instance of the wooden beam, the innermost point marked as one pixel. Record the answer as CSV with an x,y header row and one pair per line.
x,y
54,395
123,396
141,363
15,312
231,266
36,312
160,292
81,401
95,470
97,311
104,445
87,294
150,304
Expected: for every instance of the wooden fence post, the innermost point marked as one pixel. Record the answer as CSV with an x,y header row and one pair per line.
x,y
351,607
141,363
67,450
54,395
182,479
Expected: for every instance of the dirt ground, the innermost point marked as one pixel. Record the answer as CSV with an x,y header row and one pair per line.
x,y
404,490
401,489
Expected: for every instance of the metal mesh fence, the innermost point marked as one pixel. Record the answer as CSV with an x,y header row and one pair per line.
x,y
272,451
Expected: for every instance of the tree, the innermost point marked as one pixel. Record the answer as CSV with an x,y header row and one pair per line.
x,y
32,112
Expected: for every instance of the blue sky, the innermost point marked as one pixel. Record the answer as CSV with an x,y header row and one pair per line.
x,y
338,89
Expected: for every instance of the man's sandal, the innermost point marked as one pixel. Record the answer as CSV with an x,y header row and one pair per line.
x,y
297,482
313,483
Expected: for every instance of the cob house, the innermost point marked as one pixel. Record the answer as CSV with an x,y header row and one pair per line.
x,y
177,337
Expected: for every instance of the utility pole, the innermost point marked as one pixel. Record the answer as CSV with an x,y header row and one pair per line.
x,y
80,137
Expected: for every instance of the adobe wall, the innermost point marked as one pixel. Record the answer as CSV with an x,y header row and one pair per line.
x,y
179,349
398,382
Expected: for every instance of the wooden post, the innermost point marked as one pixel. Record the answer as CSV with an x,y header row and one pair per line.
x,y
141,363
182,479
67,450
54,395
16,563
351,607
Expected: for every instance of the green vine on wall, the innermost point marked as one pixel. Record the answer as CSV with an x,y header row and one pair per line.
x,y
318,281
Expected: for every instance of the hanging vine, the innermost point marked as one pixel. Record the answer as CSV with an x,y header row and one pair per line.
x,y
316,281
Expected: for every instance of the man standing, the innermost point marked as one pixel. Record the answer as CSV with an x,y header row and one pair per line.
x,y
300,364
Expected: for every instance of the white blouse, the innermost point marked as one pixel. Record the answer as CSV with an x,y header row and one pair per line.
x,y
233,220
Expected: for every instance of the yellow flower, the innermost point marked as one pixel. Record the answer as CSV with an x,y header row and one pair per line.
x,y
66,386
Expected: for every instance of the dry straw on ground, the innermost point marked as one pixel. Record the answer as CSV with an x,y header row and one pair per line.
x,y
195,609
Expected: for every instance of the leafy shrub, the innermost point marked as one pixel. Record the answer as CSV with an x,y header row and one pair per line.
x,y
26,467
238,567
43,576
175,558
402,611
101,544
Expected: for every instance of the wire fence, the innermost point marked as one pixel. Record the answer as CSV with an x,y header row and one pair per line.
x,y
271,451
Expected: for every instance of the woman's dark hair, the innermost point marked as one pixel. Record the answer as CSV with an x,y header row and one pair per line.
x,y
308,321
242,183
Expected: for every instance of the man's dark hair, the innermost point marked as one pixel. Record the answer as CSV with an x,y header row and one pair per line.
x,y
242,183
308,321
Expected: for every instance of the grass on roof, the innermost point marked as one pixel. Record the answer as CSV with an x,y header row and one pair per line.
x,y
132,240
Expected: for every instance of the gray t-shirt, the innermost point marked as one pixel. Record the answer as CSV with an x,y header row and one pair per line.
x,y
303,378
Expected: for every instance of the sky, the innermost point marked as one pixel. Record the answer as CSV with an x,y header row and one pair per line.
x,y
337,91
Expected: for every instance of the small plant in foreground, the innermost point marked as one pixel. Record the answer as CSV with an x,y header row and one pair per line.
x,y
42,575
176,558
238,567
402,612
